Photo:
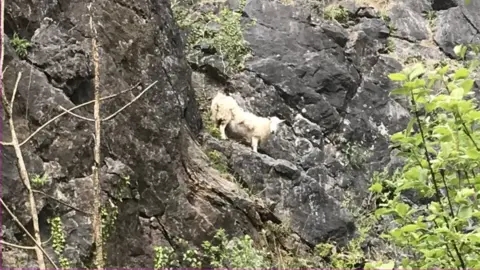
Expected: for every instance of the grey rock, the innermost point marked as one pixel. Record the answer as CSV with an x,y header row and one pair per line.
x,y
453,29
444,4
409,24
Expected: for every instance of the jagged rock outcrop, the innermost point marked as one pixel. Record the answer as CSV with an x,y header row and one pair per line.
x,y
328,81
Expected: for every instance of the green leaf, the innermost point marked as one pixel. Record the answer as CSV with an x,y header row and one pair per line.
x,y
397,136
443,70
461,73
409,128
419,83
418,70
460,50
434,207
457,93
383,211
388,265
410,228
400,91
397,77
402,209
377,188
474,115
465,212
467,85
473,153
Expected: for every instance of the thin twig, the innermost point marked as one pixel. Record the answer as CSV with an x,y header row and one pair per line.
x,y
77,115
60,201
23,247
15,89
115,113
28,233
71,109
130,103
16,246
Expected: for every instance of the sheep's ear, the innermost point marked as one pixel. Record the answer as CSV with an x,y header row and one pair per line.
x,y
281,121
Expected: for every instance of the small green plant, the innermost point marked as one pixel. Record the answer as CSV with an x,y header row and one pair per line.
x,y
440,147
391,28
390,45
20,45
38,181
210,126
337,13
217,161
58,238
385,17
109,214
164,257
431,16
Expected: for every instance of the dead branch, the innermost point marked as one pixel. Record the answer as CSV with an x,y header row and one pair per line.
x,y
38,244
115,113
16,246
23,171
61,202
77,115
23,247
130,103
69,110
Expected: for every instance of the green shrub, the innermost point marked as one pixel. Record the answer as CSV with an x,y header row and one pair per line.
x,y
228,40
442,159
220,253
20,45
337,13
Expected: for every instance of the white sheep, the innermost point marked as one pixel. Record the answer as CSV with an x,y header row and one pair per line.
x,y
254,129
224,109
241,124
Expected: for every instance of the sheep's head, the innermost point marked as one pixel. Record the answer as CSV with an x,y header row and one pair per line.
x,y
274,124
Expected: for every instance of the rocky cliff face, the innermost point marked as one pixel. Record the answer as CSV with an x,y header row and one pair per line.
x,y
328,80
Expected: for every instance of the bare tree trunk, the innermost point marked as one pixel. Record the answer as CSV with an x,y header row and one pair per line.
x,y
97,222
8,108
2,15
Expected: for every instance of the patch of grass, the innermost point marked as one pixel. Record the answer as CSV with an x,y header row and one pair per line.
x,y
337,13
431,16
390,45
20,45
210,125
391,28
218,161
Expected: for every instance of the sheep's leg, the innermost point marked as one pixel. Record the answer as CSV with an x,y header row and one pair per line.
x,y
254,144
222,127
